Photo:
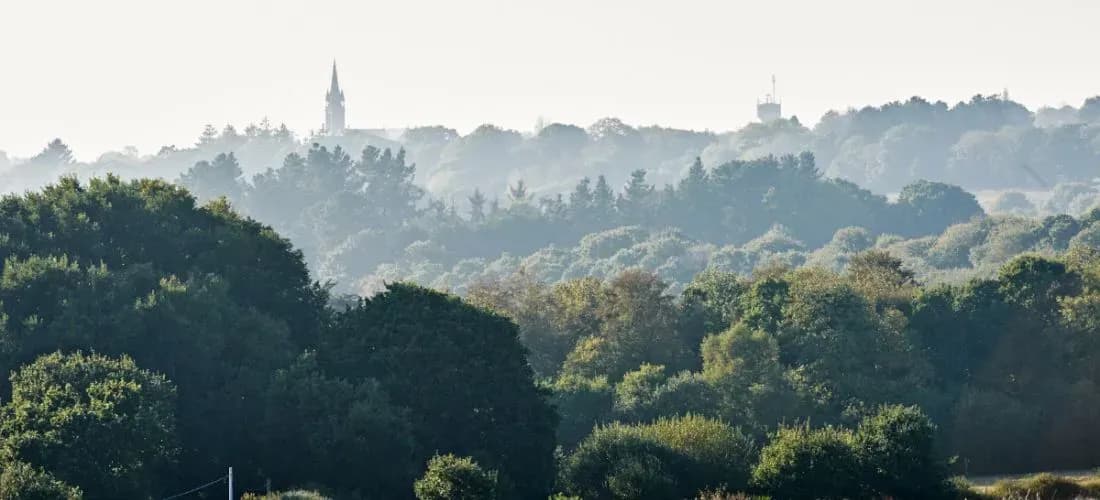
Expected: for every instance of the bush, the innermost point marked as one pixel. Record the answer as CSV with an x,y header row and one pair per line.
x,y
895,451
21,481
890,455
805,463
452,478
616,462
670,458
717,453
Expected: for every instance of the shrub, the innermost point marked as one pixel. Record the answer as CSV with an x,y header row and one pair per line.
x,y
452,478
717,453
890,455
895,451
805,463
616,462
670,458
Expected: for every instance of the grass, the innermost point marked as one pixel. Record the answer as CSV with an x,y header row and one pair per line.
x,y
1043,486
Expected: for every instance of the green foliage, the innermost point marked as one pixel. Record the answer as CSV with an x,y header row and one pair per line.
x,y
801,462
21,481
897,455
670,458
70,413
889,455
317,429
581,404
634,394
1036,283
452,478
352,401
744,368
461,373
936,205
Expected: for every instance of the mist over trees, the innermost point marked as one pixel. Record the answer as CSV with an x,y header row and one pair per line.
x,y
607,312
988,142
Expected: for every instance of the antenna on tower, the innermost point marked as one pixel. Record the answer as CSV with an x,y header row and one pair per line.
x,y
769,110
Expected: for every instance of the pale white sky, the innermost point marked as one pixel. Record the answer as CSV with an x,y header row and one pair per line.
x,y
108,73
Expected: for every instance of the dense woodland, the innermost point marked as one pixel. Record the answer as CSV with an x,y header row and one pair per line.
x,y
455,209
152,342
751,325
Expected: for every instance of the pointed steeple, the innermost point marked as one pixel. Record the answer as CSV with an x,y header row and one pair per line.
x,y
334,106
334,89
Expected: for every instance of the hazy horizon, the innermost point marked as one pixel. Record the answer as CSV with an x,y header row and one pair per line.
x,y
137,78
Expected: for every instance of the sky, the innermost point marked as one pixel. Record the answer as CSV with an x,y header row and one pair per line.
x,y
112,73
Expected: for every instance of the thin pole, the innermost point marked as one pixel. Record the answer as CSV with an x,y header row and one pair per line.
x,y
230,483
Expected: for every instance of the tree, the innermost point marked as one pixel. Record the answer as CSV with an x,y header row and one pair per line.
x,y
389,187
617,462
639,322
452,478
804,463
99,423
933,206
21,481
209,180
347,437
1035,283
214,301
635,393
1090,110
208,136
603,202
896,452
477,207
743,367
518,193
637,201
580,201
55,154
668,459
460,371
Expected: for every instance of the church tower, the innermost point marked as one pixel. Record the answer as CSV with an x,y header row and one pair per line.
x,y
334,107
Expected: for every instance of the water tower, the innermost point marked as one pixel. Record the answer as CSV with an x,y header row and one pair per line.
x,y
770,109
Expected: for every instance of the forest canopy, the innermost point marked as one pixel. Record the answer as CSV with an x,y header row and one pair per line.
x,y
661,314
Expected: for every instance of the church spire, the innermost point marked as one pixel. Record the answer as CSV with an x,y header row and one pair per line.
x,y
334,89
334,106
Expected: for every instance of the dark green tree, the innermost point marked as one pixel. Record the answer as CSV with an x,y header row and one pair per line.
x,y
460,371
98,423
